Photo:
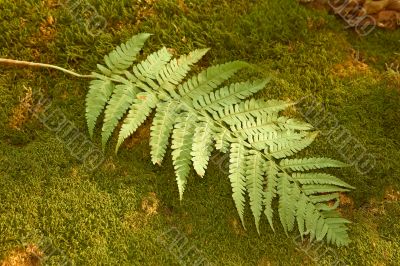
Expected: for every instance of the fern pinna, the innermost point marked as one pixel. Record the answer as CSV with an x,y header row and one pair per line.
x,y
198,114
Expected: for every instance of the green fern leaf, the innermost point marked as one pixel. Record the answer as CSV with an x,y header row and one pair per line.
x,y
140,109
337,230
161,129
267,123
270,191
197,112
148,69
321,229
305,164
229,95
326,223
324,198
327,206
222,139
123,97
311,219
301,207
254,126
320,179
202,146
124,55
97,97
181,147
209,79
292,148
315,189
295,124
272,141
288,196
176,70
254,184
237,172
250,109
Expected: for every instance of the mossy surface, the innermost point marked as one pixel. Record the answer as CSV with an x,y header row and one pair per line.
x,y
125,211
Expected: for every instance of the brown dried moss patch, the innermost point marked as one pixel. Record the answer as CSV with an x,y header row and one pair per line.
x,y
28,256
21,113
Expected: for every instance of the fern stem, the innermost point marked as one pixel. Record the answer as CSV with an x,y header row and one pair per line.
x,y
32,64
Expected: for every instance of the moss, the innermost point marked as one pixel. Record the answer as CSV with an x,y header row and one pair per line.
x,y
96,217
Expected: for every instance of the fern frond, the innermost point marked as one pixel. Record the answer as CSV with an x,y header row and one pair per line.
x,y
311,219
222,139
161,129
122,97
102,88
282,150
254,126
301,208
270,190
176,70
229,95
255,164
202,146
209,79
305,164
316,189
297,204
140,109
250,109
336,228
264,124
181,147
327,224
148,69
324,198
237,176
124,55
288,197
197,112
272,141
295,124
319,179
97,97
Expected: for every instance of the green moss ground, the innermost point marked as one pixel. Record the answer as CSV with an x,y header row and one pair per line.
x,y
105,216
